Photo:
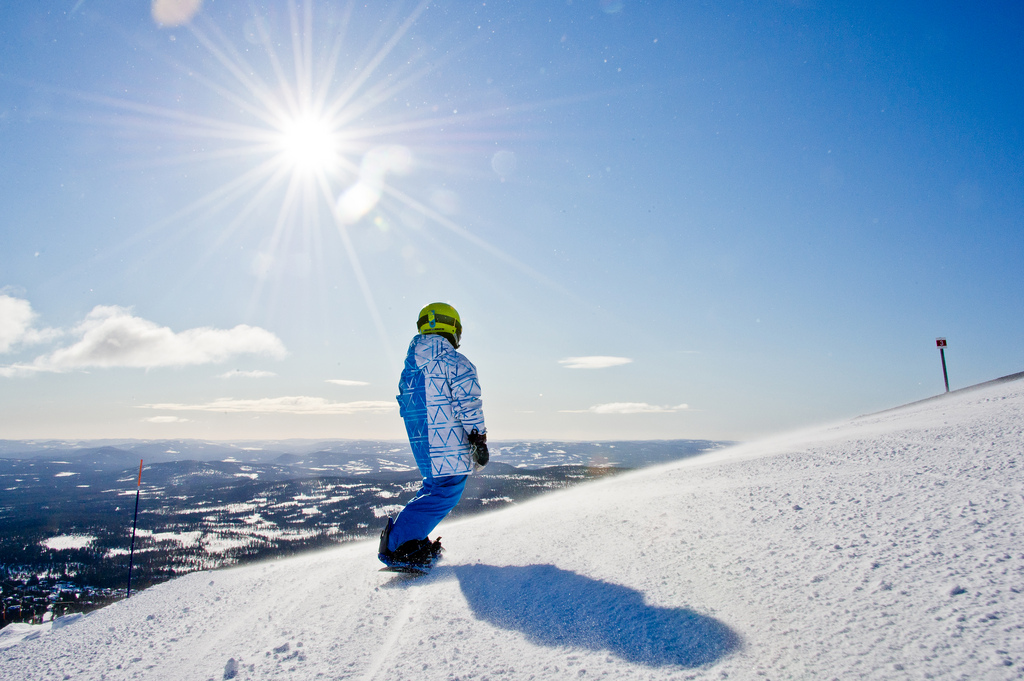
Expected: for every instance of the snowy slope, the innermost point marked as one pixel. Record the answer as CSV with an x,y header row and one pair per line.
x,y
890,546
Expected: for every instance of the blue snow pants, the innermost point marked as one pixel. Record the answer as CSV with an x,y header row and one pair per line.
x,y
431,504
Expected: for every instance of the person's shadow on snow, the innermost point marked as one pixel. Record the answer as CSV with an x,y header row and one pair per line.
x,y
554,607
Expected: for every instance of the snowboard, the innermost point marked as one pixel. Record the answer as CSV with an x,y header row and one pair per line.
x,y
406,569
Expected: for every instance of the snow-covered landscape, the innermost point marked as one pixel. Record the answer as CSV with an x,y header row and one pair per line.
x,y
699,265
887,546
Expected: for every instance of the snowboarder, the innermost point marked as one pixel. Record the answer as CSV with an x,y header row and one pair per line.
x,y
439,398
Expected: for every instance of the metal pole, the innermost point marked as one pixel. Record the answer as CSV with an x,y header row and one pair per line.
x,y
945,377
131,554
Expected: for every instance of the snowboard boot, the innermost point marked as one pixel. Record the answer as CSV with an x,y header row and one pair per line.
x,y
416,553
384,555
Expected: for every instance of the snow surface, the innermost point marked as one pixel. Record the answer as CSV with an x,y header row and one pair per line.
x,y
68,542
886,547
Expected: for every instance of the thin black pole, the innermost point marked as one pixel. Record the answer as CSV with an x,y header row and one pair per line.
x,y
945,377
131,554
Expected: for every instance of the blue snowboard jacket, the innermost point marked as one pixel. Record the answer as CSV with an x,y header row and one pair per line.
x,y
439,398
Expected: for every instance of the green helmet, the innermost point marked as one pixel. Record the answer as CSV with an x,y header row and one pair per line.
x,y
441,318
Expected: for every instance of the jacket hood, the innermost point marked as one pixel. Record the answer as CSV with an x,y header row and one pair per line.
x,y
426,347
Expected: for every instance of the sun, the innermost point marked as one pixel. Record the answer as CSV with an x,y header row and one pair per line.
x,y
309,144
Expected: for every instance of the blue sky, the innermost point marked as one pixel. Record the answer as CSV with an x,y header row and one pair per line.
x,y
657,219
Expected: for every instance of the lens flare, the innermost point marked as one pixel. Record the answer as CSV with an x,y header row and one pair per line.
x,y
364,195
171,13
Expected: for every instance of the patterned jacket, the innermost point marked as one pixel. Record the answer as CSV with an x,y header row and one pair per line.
x,y
439,398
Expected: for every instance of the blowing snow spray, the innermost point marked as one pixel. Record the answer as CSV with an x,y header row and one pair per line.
x,y
135,520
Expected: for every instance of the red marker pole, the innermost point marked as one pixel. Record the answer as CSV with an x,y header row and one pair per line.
x,y
940,343
131,554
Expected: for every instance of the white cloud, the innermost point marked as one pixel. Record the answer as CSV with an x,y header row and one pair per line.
x,y
628,408
342,381
283,405
593,362
16,318
256,373
110,336
166,419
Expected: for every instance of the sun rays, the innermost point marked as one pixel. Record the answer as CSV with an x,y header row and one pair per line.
x,y
307,119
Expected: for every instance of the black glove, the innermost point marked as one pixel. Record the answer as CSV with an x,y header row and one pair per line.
x,y
478,447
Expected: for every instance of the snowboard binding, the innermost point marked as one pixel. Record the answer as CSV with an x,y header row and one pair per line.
x,y
415,555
